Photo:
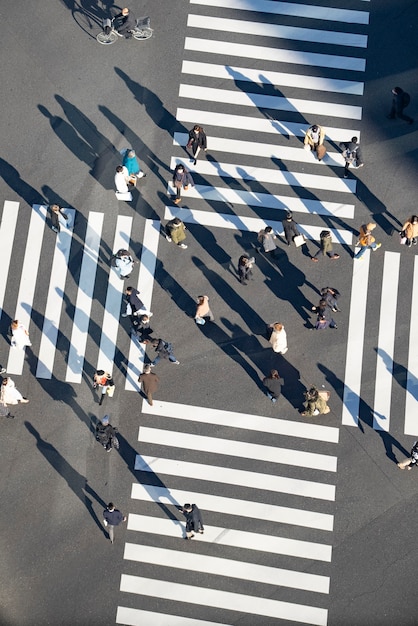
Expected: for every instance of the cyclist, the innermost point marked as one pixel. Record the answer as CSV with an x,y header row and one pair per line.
x,y
125,23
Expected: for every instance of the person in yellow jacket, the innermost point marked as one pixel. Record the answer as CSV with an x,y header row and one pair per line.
x,y
410,231
366,240
314,139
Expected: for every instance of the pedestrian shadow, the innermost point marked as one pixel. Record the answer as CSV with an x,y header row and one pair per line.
x,y
12,178
400,373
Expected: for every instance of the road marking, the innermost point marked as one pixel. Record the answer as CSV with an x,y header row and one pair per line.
x,y
411,422
260,542
224,600
84,300
386,341
52,315
138,617
7,235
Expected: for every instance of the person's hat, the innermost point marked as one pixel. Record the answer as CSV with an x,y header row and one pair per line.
x,y
105,420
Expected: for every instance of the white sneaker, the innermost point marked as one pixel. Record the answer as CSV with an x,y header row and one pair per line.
x,y
183,245
168,238
176,362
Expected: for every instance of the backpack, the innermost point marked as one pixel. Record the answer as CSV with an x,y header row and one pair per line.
x,y
406,99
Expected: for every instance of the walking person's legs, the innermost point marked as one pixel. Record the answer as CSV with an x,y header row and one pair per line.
x,y
102,394
405,463
111,531
178,195
149,398
360,252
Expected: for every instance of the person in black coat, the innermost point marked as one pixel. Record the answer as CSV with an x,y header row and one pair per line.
x,y
194,522
273,384
352,154
290,228
181,179
400,101
197,142
105,433
125,22
245,266
164,350
141,328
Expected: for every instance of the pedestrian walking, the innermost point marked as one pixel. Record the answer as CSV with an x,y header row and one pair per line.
x,y
149,382
325,247
104,381
316,402
278,338
194,522
123,182
56,213
132,165
141,328
324,318
314,140
123,263
203,310
290,228
410,231
182,179
245,268
267,239
352,154
412,460
330,295
112,517
20,335
9,394
197,142
134,305
400,101
273,383
164,350
175,231
106,433
366,240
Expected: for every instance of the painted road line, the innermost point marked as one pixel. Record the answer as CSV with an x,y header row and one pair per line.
x,y
7,235
226,567
241,478
231,419
278,55
232,506
138,617
253,224
261,101
259,125
278,31
223,600
111,317
260,542
55,299
242,449
28,282
84,300
411,422
347,16
266,77
386,341
145,286
355,341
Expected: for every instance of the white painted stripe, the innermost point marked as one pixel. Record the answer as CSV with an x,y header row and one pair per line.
x,y
111,318
231,506
224,600
286,8
386,341
278,55
84,298
242,98
138,617
145,286
231,419
279,31
241,478
259,542
265,77
258,149
55,299
253,224
28,281
411,421
260,125
241,449
7,234
355,341
226,567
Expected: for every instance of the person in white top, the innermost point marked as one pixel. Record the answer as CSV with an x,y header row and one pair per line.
x,y
9,394
122,179
20,336
278,339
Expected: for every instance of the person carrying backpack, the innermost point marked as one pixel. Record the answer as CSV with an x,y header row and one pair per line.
x,y
351,154
400,101
326,247
164,350
105,433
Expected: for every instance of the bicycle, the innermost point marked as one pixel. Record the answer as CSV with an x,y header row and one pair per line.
x,y
109,34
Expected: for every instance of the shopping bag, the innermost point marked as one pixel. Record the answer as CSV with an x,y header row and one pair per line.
x,y
127,197
200,320
110,390
298,240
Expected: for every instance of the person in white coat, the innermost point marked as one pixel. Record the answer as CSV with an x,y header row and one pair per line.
x,y
122,179
20,336
278,339
124,263
9,394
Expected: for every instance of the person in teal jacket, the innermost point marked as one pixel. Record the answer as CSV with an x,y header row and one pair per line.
x,y
131,163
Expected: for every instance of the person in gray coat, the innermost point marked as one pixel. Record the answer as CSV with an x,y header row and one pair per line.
x,y
267,239
194,522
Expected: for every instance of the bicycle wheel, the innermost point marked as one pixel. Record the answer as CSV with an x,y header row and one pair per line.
x,y
142,33
107,39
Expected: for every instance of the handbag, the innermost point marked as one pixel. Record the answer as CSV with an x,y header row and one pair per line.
x,y
402,238
200,320
321,151
110,390
127,197
325,395
298,240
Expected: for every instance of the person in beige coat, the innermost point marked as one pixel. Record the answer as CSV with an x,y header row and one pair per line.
x,y
410,231
314,138
203,309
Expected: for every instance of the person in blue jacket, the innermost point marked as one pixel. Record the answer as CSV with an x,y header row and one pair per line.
x,y
131,163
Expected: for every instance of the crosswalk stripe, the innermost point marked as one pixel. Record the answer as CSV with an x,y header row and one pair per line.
x,y
261,101
84,300
252,224
227,567
261,542
231,419
411,422
296,10
138,617
260,125
58,276
224,599
145,286
329,37
355,341
216,445
269,482
7,234
300,81
386,342
233,506
28,281
111,318
278,55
